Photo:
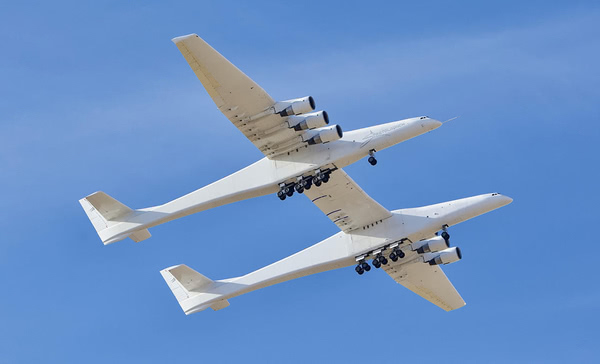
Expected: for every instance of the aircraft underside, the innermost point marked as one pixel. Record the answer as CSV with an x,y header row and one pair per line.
x,y
303,154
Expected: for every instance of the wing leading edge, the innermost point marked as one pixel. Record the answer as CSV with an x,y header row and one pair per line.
x,y
345,203
247,105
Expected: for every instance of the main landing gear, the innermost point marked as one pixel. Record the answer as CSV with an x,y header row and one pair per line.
x,y
362,267
303,183
372,159
380,258
397,253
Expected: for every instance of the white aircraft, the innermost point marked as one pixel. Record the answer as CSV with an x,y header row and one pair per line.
x,y
408,237
300,148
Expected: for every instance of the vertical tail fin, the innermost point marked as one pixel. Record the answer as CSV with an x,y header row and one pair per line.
x,y
186,284
104,212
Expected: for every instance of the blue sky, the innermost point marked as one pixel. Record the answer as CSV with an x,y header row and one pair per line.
x,y
94,96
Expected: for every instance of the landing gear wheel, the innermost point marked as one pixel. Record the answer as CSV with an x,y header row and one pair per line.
x,y
308,186
289,192
325,178
446,236
359,270
318,183
394,257
383,260
376,263
401,254
299,188
365,266
281,195
373,161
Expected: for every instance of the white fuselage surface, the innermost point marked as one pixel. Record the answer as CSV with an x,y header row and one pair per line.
x,y
265,176
340,250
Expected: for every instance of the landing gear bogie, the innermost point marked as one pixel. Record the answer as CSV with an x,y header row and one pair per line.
x,y
362,267
304,183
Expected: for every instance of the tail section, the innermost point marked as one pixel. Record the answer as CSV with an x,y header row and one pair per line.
x,y
193,291
105,212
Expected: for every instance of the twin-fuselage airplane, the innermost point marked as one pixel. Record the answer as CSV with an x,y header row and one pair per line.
x,y
304,155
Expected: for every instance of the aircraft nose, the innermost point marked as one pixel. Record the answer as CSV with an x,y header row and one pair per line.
x,y
430,123
505,199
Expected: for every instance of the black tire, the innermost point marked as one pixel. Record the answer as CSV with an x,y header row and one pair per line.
x,y
383,260
372,161
401,254
308,186
394,257
318,183
446,236
366,266
290,192
359,269
376,263
282,197
326,178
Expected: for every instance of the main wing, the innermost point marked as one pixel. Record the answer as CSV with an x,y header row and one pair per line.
x,y
345,203
428,281
238,97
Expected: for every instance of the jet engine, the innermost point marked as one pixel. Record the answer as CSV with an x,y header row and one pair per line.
x,y
324,135
445,256
308,121
431,245
295,106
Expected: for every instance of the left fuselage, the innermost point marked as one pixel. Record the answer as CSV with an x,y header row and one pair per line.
x,y
342,249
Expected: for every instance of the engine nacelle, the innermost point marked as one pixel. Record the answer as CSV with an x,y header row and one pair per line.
x,y
431,245
308,121
324,135
295,106
446,256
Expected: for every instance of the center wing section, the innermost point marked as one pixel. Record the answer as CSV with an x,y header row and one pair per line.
x,y
428,281
345,203
237,96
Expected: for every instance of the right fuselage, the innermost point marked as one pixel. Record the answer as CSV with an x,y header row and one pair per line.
x,y
265,176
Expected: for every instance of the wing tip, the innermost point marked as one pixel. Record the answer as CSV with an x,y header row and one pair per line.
x,y
183,38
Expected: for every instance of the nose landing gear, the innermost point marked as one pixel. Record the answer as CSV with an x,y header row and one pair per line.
x,y
372,159
445,234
